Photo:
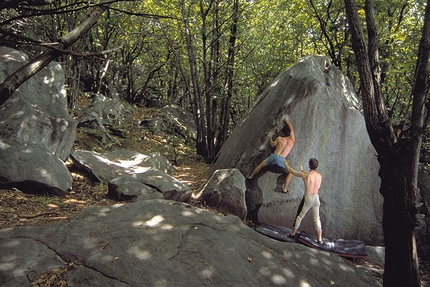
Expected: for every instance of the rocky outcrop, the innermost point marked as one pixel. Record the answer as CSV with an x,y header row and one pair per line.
x,y
174,120
126,171
105,111
164,243
35,120
320,103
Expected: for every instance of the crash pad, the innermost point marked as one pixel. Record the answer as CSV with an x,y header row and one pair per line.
x,y
277,232
342,247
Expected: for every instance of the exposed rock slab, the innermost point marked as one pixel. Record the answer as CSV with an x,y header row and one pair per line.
x,y
165,243
110,165
129,188
325,112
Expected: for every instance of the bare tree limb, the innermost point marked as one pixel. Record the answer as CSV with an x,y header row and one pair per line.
x,y
8,87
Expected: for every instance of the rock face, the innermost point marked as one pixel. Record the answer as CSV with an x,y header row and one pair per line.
x,y
36,114
164,243
325,113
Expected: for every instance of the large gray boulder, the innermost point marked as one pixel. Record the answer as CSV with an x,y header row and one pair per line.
x,y
36,114
37,111
320,103
163,243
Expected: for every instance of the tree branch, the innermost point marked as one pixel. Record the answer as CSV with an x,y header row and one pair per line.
x,y
8,87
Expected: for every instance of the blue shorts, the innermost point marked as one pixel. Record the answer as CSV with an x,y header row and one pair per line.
x,y
275,159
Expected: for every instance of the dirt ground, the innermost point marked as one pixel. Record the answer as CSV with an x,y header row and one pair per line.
x,y
18,208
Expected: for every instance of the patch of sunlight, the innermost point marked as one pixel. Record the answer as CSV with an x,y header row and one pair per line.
x,y
4,145
20,272
88,243
304,284
290,100
187,213
6,266
153,222
207,273
124,163
278,279
218,218
263,146
107,258
44,173
274,83
139,253
103,211
72,200
139,169
138,223
48,80
266,254
167,227
12,243
161,283
288,273
345,267
77,175
265,271
314,261
17,114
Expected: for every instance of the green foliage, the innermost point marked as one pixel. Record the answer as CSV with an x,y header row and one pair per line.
x,y
152,67
45,200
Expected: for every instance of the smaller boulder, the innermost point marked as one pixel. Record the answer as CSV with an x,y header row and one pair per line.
x,y
33,168
170,187
225,191
128,188
105,111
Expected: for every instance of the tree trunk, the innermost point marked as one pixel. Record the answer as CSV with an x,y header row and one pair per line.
x,y
398,186
197,104
8,87
398,158
225,114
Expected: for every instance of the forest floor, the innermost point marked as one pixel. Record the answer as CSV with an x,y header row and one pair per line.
x,y
18,208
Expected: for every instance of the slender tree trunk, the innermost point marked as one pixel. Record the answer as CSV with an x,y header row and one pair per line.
x,y
198,109
225,120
